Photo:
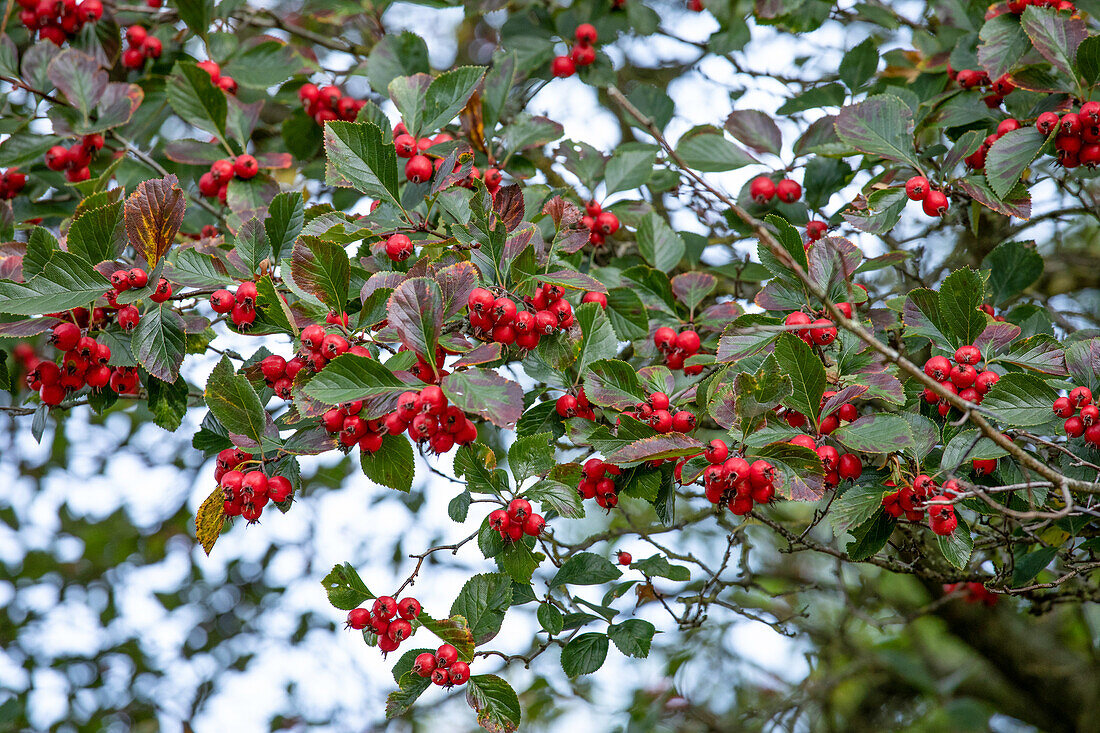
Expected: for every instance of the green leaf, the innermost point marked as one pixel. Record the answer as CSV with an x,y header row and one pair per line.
x,y
880,126
957,546
531,456
416,311
401,54
409,95
349,377
454,630
657,447
495,702
558,496
345,588
960,296
234,402
78,76
483,601
1013,266
657,566
410,687
285,218
550,619
359,156
518,561
613,383
323,270
167,402
1021,399
876,433
195,98
658,243
197,14
1088,60
1003,44
158,342
1009,156
252,246
1083,362
585,568
806,371
711,152
598,339
1056,36
800,468
448,94
871,536
1031,564
632,637
629,168
484,392
266,64
859,64
41,247
393,465
98,234
478,465
855,506
584,654
67,281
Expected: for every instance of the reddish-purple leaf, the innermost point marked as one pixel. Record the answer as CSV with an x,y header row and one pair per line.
x,y
153,215
1017,203
456,282
670,445
800,470
755,129
378,280
691,287
274,161
996,336
485,393
27,327
563,213
520,240
574,280
571,240
482,354
716,317
508,206
842,397
416,310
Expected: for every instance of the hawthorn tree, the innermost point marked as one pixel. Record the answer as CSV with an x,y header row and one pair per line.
x,y
859,330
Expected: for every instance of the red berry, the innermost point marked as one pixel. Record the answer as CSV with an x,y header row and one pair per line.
x,y
849,466
595,298
968,355
664,338
688,342
1080,396
935,203
916,188
762,189
358,618
418,169
563,66
938,367
534,525
445,656
151,47
788,191
624,557
384,607
586,34
519,510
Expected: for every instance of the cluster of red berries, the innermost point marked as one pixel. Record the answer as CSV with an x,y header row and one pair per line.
x,y
12,183
599,483
516,521
583,52
569,405
428,417
1087,423
390,620
141,46
84,364
444,667
1078,139
763,189
838,466
978,79
58,20
933,202
241,305
735,482
215,182
320,347
816,332
329,103
75,159
677,347
973,592
135,277
963,378
279,373
600,224
225,82
500,320
656,411
924,495
246,494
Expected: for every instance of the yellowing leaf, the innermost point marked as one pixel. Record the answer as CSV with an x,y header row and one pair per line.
x,y
153,215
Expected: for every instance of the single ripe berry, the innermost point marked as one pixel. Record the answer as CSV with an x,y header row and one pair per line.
x,y
849,466
586,34
358,618
595,298
968,355
788,191
458,673
563,66
935,203
623,557
424,664
385,607
664,338
762,189
716,452
916,188
445,656
246,167
519,510
399,247
938,367
1080,396
418,169
138,277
